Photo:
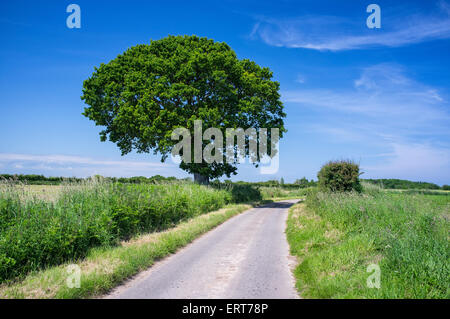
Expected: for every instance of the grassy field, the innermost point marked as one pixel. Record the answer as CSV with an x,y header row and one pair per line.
x,y
420,191
42,226
337,236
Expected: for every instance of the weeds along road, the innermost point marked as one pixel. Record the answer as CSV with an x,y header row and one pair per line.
x,y
245,257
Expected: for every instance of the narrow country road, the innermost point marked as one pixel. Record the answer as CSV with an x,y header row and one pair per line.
x,y
245,257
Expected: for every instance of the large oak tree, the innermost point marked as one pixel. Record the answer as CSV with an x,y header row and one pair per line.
x,y
145,93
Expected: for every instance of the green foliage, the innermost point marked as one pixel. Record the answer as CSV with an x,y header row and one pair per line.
x,y
239,193
35,233
446,187
275,183
342,233
282,192
43,180
145,93
339,176
425,192
122,261
402,184
38,179
371,189
247,191
303,182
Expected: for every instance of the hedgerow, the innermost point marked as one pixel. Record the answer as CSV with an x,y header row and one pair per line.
x,y
35,233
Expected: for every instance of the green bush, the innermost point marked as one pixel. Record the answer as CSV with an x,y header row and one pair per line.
x,y
244,193
35,233
240,193
339,176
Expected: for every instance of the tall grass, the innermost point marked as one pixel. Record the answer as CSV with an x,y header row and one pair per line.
x,y
407,235
36,233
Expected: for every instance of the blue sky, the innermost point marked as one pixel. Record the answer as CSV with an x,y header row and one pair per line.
x,y
376,96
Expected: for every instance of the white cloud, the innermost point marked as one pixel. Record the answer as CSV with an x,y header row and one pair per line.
x,y
300,79
382,76
383,114
335,34
414,162
337,133
444,6
80,166
382,91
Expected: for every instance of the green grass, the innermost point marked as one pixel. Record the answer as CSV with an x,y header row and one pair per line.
x,y
336,236
106,267
37,232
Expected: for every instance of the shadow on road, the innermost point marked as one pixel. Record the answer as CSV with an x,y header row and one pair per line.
x,y
282,204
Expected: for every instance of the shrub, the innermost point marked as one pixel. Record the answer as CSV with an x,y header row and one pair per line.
x,y
339,176
244,193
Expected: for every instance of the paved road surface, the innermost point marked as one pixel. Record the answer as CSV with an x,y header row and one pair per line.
x,y
245,257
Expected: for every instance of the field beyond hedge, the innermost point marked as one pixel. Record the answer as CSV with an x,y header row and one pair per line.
x,y
49,226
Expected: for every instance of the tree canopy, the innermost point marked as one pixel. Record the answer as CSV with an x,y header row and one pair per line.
x,y
144,94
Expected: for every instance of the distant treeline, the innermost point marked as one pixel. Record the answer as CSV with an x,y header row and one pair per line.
x,y
299,183
404,184
43,180
39,179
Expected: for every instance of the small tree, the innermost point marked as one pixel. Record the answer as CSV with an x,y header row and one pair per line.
x,y
339,176
303,182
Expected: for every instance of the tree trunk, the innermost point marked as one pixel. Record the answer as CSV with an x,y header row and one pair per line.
x,y
201,179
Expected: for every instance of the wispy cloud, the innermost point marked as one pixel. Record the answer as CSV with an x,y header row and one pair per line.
x,y
404,122
335,33
300,79
382,90
78,166
336,132
413,161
